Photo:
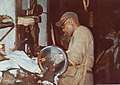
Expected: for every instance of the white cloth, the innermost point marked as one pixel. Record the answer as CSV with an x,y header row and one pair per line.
x,y
19,59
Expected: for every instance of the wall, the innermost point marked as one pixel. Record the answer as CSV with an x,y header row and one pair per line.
x,y
7,7
43,24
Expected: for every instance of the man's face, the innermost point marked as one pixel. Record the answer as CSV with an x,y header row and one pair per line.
x,y
67,27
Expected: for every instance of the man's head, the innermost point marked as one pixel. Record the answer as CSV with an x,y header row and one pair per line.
x,y
65,16
69,22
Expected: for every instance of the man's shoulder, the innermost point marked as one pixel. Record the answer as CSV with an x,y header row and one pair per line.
x,y
83,28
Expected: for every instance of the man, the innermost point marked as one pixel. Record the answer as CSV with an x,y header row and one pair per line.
x,y
80,51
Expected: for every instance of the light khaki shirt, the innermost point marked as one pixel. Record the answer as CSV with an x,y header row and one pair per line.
x,y
81,46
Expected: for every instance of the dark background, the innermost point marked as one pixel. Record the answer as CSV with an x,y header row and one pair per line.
x,y
105,13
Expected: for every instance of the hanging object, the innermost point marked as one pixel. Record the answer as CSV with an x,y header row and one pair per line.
x,y
86,4
52,34
91,17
